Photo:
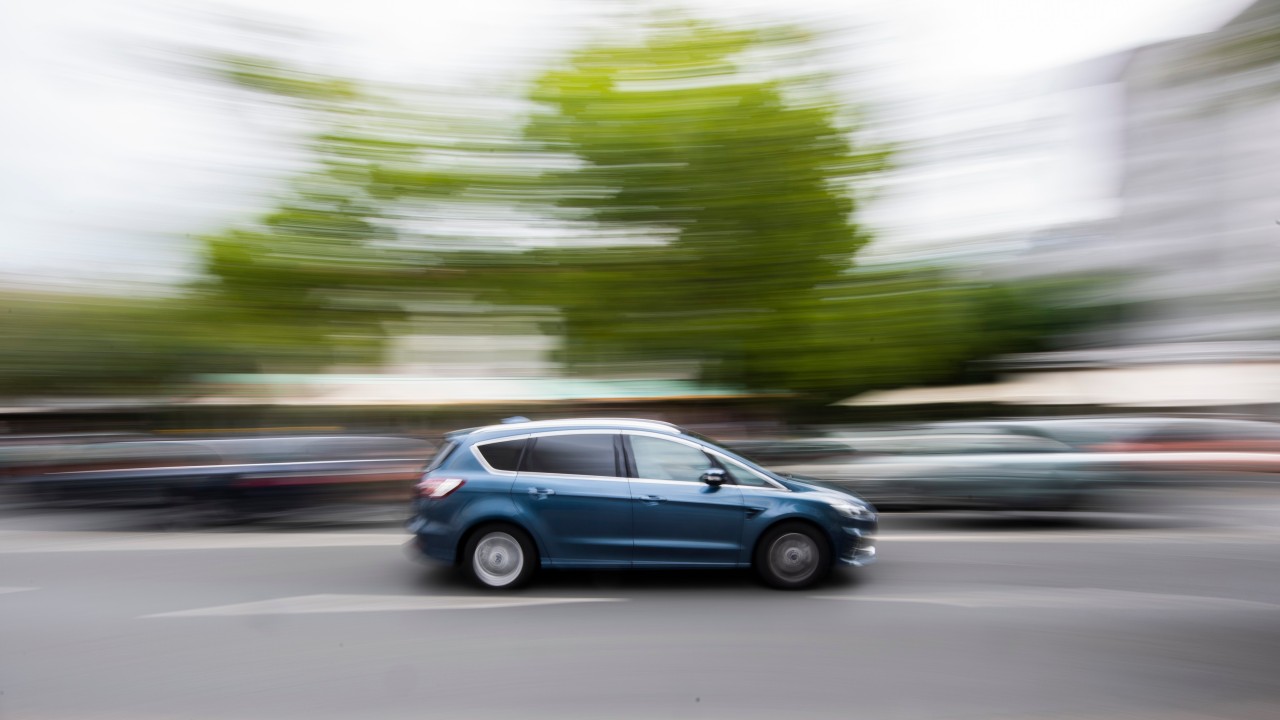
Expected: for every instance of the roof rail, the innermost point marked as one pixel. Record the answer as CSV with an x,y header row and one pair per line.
x,y
620,422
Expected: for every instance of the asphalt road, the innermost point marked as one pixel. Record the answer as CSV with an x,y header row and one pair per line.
x,y
961,618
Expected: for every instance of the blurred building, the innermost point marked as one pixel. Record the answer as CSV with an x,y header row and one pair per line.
x,y
1191,248
985,171
1201,163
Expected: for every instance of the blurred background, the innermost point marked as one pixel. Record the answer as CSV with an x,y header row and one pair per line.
x,y
1008,269
767,221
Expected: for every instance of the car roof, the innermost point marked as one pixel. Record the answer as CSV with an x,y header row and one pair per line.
x,y
522,427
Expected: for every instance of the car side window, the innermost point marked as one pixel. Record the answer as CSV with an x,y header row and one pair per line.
x,y
503,455
576,454
743,476
658,459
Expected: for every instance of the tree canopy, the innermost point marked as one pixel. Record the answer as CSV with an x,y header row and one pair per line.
x,y
684,199
732,157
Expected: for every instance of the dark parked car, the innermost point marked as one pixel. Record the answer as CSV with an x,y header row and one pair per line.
x,y
227,479
501,501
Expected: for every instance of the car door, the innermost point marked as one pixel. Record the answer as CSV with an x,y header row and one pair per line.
x,y
680,520
573,493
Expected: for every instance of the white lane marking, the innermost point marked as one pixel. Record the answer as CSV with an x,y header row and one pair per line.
x,y
310,604
4,590
1063,599
1189,535
41,541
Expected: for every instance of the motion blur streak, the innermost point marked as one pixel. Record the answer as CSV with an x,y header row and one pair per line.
x,y
1008,270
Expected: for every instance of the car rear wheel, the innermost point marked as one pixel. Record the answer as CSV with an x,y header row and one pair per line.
x,y
792,556
501,557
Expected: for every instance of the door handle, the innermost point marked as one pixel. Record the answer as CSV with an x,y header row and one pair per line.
x,y
541,492
651,499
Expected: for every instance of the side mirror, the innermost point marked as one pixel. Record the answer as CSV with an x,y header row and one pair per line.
x,y
715,477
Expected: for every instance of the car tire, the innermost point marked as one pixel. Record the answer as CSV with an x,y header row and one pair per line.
x,y
500,557
792,556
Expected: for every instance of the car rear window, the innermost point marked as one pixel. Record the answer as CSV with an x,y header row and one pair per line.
x,y
585,454
503,455
443,454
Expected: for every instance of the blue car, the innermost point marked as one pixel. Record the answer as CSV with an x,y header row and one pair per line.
x,y
499,502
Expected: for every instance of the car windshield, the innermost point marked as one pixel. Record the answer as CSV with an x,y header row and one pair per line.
x,y
727,449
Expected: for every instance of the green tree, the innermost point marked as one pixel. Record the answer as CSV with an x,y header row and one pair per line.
x,y
76,344
712,171
315,280
731,155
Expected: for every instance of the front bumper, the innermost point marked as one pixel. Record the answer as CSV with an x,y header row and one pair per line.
x,y
857,547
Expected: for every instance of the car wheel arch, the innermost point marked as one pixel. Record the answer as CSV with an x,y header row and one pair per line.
x,y
794,520
465,538
783,561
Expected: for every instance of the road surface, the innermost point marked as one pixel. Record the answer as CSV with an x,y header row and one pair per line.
x,y
960,619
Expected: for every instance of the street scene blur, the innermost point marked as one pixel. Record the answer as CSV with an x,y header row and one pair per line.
x,y
1007,271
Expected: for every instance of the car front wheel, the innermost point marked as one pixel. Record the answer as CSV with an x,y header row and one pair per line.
x,y
792,556
501,557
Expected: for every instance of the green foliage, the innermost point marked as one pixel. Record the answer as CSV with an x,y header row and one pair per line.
x,y
712,169
314,281
717,155
86,346
726,149
266,75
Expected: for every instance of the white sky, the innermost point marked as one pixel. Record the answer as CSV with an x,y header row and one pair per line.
x,y
109,166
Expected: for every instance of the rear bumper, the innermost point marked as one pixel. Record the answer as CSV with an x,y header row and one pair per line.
x,y
432,541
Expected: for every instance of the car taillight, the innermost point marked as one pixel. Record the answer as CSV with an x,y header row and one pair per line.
x,y
436,487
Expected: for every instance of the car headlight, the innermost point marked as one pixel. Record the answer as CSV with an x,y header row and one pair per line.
x,y
853,510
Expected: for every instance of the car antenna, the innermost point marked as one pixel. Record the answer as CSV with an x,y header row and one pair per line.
x,y
514,419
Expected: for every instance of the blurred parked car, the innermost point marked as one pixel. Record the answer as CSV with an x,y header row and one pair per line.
x,y
1201,450
1162,449
790,452
1201,435
20,454
1086,434
969,471
228,478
